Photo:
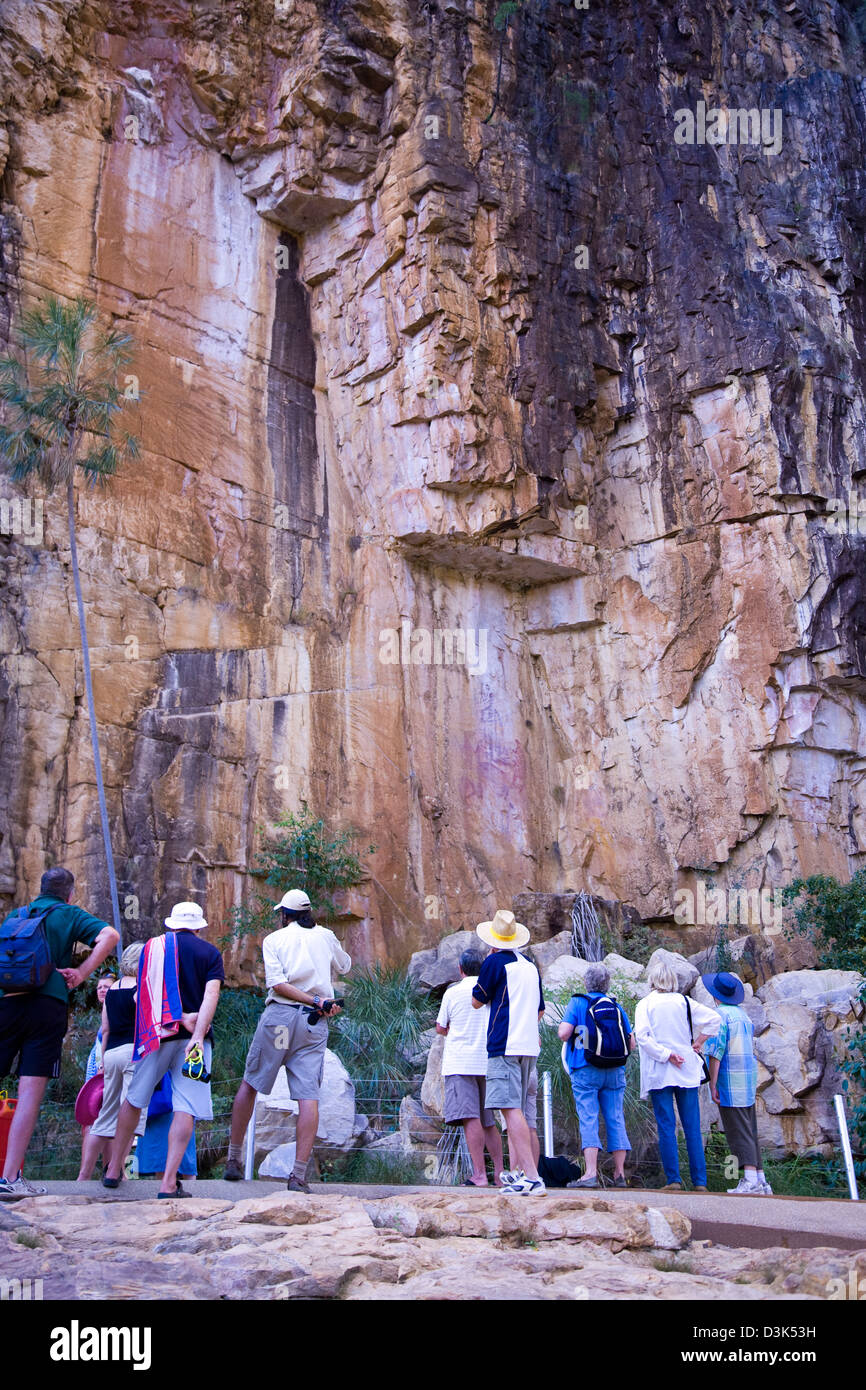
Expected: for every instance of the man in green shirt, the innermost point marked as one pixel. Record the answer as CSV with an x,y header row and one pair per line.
x,y
33,1023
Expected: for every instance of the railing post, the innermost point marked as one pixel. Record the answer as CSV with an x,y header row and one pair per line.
x,y
547,1102
249,1156
839,1103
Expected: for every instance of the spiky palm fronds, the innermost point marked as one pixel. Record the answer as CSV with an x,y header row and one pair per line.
x,y
62,398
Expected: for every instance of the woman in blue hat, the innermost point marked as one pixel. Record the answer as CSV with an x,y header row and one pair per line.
x,y
733,1081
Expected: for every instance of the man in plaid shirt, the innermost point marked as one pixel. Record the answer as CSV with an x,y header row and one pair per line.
x,y
734,1080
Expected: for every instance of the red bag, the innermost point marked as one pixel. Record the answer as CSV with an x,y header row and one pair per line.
x,y
7,1110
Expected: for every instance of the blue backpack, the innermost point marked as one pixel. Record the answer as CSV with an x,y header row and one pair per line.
x,y
606,1043
25,955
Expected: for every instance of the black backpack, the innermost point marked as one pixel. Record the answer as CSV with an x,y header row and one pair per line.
x,y
25,955
606,1039
557,1172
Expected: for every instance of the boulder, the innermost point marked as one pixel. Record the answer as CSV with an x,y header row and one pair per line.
x,y
425,1042
279,1162
434,970
416,1126
835,990
620,965
409,1246
433,1088
336,1105
757,1013
276,1118
566,972
544,953
794,1048
685,971
761,954
807,1014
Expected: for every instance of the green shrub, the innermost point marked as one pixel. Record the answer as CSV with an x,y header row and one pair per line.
x,y
386,1169
302,853
378,1036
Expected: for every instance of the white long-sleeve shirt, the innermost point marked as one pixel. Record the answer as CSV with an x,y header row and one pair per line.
x,y
661,1026
303,957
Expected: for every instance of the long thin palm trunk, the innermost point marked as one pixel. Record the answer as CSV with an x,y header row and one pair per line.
x,y
94,736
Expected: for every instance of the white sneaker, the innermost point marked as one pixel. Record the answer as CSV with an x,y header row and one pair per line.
x,y
526,1187
765,1187
510,1178
746,1189
18,1188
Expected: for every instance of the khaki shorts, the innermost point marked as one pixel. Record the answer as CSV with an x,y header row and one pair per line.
x,y
464,1100
286,1038
119,1071
510,1085
192,1097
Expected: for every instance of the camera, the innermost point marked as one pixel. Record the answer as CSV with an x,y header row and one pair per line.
x,y
315,1015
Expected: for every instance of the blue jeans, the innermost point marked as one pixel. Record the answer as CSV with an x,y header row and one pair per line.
x,y
596,1090
688,1104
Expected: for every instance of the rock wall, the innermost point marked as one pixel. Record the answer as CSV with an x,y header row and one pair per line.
x,y
443,1245
414,361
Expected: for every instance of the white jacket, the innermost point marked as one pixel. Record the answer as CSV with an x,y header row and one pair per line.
x,y
661,1026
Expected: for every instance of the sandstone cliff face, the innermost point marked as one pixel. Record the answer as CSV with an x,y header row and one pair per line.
x,y
413,358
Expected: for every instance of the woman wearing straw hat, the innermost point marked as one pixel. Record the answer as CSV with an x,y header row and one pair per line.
x,y
511,985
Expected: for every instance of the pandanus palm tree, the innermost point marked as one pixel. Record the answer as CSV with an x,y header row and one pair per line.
x,y
62,400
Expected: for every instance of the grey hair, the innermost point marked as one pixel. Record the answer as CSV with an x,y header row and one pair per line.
x,y
130,958
597,979
662,977
471,962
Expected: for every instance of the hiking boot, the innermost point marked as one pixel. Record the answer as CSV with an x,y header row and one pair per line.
x,y
234,1171
295,1185
672,1187
19,1188
700,1188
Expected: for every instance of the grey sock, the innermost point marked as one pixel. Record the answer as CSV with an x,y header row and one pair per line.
x,y
300,1171
236,1152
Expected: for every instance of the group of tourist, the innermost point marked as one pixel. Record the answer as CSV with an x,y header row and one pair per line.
x,y
156,1031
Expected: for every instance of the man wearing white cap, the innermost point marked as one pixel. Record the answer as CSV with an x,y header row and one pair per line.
x,y
511,985
293,1030
182,1046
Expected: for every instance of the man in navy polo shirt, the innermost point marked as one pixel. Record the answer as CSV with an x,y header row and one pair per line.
x,y
200,976
511,985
